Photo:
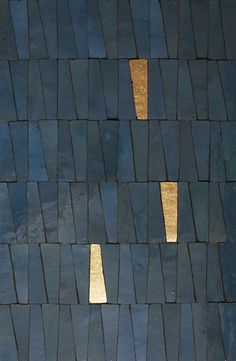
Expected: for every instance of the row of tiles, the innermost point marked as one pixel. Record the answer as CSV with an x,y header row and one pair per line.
x,y
98,90
68,274
124,151
118,28
50,212
196,332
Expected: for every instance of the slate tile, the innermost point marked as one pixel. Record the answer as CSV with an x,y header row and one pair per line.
x,y
96,45
186,230
66,228
198,259
108,13
171,317
97,108
66,40
217,231
126,230
109,205
126,40
38,48
158,46
216,101
169,77
217,164
95,166
18,200
227,75
215,292
186,106
125,170
139,203
155,284
36,233
126,350
50,324
66,349
67,288
80,320
79,74
228,15
48,12
186,40
19,139
48,197
186,342
228,132
66,102
201,143
169,269
228,196
79,135
20,319
20,263
156,343
7,103
7,286
97,230
185,291
156,104
19,14
188,169
200,16
199,312
156,159
37,290
110,314
170,11
199,197
7,230
66,171
80,210
139,315
110,261
19,78
216,37
227,256
109,72
215,349
140,258
79,18
81,265
198,73
126,109
51,261
37,166
139,131
96,350
48,71
7,338
126,280
141,23
109,139
8,45
49,139
36,109
227,314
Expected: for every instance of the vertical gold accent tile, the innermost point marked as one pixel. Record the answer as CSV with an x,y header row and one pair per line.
x,y
97,289
169,197
138,69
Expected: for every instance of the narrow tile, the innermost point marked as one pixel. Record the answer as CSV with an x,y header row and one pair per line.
x,y
81,264
217,164
110,314
20,319
7,213
48,197
37,43
66,41
215,347
228,132
126,280
127,46
170,11
19,136
139,131
66,227
126,108
185,291
227,75
66,102
109,71
79,136
126,230
66,348
169,70
186,39
169,198
19,14
51,262
139,203
156,227
50,324
20,264
227,314
108,12
201,143
216,101
79,74
36,108
156,342
140,258
155,284
156,104
109,138
140,19
228,196
67,287
169,268
170,137
138,71
126,350
49,137
48,10
156,160
198,72
36,233
96,166
8,46
109,205
80,320
37,166
66,171
125,154
97,229
36,334
79,18
186,342
158,45
97,290
110,260
171,316
186,230
216,37
79,195
7,337
199,311
139,315
48,70
96,45
96,349
217,230
188,169
7,286
19,75
227,256
37,290
198,258
186,106
97,107
200,14
215,292
200,204
7,103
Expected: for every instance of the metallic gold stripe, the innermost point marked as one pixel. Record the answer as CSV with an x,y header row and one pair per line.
x,y
97,289
138,69
169,197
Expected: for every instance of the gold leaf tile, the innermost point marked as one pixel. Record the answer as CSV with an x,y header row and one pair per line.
x,y
169,197
97,289
138,69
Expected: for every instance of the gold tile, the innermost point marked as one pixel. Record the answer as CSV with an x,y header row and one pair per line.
x,y
138,69
169,197
97,289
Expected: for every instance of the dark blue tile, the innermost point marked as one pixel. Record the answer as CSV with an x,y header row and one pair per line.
x,y
48,10
80,210
108,11
156,104
35,218
188,169
228,324
36,108
170,11
169,267
7,286
80,319
48,71
48,197
67,287
158,45
51,261
38,48
156,342
8,45
228,131
7,103
228,197
140,255
227,75
66,101
109,138
155,284
125,172
7,336
109,204
97,230
66,40
126,108
126,230
66,228
140,18
19,136
201,143
185,290
171,316
96,45
169,70
217,231
7,229
139,315
110,260
126,280
96,166
19,14
216,37
127,46
49,138
126,350
228,12
96,350
199,311
66,171
215,292
186,40
110,316
186,106
156,228
217,110
109,71
198,72
78,12
186,340
215,347
217,164
139,203
37,290
170,138
97,107
186,230
37,166
20,319
79,74
20,263
139,131
156,159
79,135
66,346
200,14
199,197
19,76
227,260
7,164
198,254
81,266
50,324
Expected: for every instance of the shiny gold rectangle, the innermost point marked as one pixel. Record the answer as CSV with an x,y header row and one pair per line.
x,y
97,289
139,77
169,197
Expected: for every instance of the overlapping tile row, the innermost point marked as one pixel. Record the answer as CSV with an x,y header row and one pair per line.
x,y
122,333
166,273
50,212
102,89
118,29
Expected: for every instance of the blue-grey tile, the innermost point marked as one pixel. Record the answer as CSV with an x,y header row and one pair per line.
x,y
125,350
36,233
126,230
188,169
7,229
228,196
158,45
156,104
155,284
7,103
200,14
50,324
109,71
215,292
198,72
228,14
19,136
228,131
80,210
66,228
80,320
169,268
140,257
156,228
185,291
201,143
48,70
125,170
228,322
19,14
19,76
38,48
186,230
18,199
199,311
37,166
110,315
7,286
171,316
20,319
48,10
186,106
156,341
217,164
227,74
66,171
51,262
217,230
227,260
126,280
36,109
66,347
156,159
186,38
96,45
215,347
97,107
186,339
8,45
109,205
81,266
126,108
8,349
216,37
108,13
20,263
97,229
139,315
78,12
140,19
67,288
169,69
96,350
170,11
109,138
37,290
127,46
139,131
48,197
198,257
66,40
139,203
78,130
110,260
66,102
216,101
79,74
49,139
199,197
96,166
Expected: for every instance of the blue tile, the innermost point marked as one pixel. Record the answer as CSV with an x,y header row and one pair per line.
x,y
66,101
96,166
186,342
140,257
186,106
215,291
7,337
198,257
227,260
108,11
228,322
66,171
215,347
171,316
19,14
186,230
216,37
200,14
156,228
37,289
19,136
156,104
199,196
126,108
7,103
67,288
109,205
7,229
126,280
50,324
66,40
126,230
155,285
169,69
110,315
81,266
141,23
37,166
96,43
79,136
49,138
188,169
66,347
158,45
51,261
125,350
139,131
97,229
110,260
185,291
156,342
78,12
7,286
19,76
80,210
186,39
20,318
97,108
96,350
198,72
170,11
169,267
79,74
109,139
80,320
125,172
109,71
201,143
48,71
139,202
8,45
48,12
38,48
127,46
217,109
20,263
48,197
36,232
139,315
66,228
18,199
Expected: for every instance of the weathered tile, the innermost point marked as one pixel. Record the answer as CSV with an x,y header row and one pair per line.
x,y
185,291
188,170
96,45
37,290
171,316
126,108
199,197
126,280
110,261
80,210
156,104
169,267
186,39
19,136
38,48
97,108
66,348
216,37
79,137
49,138
217,230
215,347
50,324
7,103
228,131
37,166
48,71
19,76
170,137
140,19
19,14
158,46
126,350
96,166
79,74
217,164
198,72
215,292
20,319
20,263
80,320
139,203
96,350
51,261
155,284
7,286
227,75
8,45
109,138
169,70
66,102
199,312
48,197
228,324
110,315
186,106
108,12
170,11
7,337
139,315
127,46
156,342
201,143
186,231
18,200
66,41
7,230
227,261
126,230
186,340
139,131
125,170
216,101
97,230
78,12
140,257
66,171
67,288
200,14
66,228
36,232
109,71
36,108
48,10
81,266
109,205
156,159
198,258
